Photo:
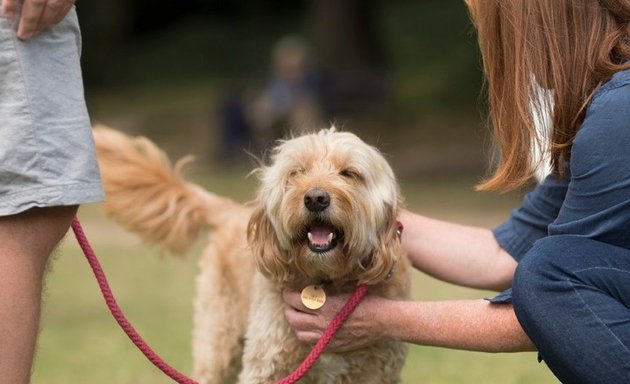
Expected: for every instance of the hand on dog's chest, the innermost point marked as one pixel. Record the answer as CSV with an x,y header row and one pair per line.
x,y
313,296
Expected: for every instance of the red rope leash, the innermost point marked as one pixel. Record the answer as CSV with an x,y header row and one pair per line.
x,y
117,312
171,372
321,344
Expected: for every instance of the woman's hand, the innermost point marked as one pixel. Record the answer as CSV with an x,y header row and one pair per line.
x,y
362,327
36,15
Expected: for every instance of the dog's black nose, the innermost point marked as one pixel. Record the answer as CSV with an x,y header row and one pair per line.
x,y
316,200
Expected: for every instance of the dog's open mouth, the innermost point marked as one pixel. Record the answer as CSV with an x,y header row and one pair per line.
x,y
322,237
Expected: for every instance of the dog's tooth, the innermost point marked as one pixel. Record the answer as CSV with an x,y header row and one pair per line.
x,y
310,237
330,237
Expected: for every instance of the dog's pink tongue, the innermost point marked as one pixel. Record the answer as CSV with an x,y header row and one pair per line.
x,y
320,234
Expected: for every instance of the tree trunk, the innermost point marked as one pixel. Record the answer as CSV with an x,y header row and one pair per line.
x,y
350,55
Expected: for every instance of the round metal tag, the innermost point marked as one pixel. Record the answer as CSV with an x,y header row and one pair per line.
x,y
313,297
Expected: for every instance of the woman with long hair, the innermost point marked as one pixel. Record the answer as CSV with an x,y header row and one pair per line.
x,y
563,257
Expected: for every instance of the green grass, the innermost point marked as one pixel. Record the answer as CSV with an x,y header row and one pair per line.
x,y
81,343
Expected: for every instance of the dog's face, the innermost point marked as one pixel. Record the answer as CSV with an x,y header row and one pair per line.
x,y
326,208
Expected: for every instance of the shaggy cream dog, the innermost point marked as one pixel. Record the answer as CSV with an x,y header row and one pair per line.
x,y
325,213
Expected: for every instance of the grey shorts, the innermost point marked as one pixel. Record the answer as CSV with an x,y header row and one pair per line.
x,y
47,155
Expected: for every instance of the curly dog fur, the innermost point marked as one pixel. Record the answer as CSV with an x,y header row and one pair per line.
x,y
325,213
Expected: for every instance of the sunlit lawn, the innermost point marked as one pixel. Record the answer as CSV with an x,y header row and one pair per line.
x,y
81,343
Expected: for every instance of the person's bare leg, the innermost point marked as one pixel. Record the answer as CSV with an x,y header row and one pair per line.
x,y
26,242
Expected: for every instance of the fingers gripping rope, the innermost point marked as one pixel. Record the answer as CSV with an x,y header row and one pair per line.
x,y
171,372
328,334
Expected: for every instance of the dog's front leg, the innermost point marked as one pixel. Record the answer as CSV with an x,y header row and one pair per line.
x,y
221,313
271,349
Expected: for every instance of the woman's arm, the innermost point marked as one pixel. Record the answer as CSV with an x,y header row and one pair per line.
x,y
470,324
458,254
476,325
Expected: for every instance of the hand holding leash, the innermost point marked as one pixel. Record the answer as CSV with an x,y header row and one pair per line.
x,y
359,330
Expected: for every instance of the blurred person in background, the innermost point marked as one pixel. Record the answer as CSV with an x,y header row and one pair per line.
x,y
288,101
563,257
47,162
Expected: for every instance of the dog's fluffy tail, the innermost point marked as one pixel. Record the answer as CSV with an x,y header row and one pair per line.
x,y
148,196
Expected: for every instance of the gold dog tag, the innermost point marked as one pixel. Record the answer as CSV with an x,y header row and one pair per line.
x,y
313,297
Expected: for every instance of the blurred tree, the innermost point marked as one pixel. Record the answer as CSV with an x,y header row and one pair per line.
x,y
105,30
346,39
434,57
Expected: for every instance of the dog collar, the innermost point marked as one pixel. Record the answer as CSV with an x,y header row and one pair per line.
x,y
399,229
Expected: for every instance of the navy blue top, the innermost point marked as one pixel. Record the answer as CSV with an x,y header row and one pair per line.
x,y
593,200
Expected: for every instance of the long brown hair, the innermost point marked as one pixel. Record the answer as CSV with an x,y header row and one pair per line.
x,y
568,47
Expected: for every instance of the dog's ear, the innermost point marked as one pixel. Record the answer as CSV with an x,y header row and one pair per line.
x,y
386,254
270,259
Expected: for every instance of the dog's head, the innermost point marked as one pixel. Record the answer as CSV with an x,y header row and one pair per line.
x,y
326,208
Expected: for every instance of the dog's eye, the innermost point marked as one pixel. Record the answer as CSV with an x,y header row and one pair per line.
x,y
296,172
350,174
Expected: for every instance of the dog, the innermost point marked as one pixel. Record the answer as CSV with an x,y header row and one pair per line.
x,y
324,214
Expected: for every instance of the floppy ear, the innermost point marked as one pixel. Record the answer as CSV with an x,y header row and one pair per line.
x,y
270,259
387,253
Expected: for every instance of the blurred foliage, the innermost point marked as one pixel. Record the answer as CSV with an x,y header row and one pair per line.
x,y
131,43
433,52
427,47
